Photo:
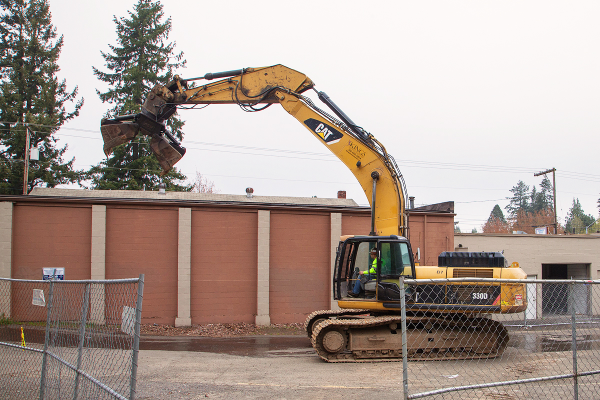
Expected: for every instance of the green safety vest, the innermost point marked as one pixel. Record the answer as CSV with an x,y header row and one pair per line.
x,y
373,269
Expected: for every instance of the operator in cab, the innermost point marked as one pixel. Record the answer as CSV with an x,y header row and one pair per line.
x,y
365,276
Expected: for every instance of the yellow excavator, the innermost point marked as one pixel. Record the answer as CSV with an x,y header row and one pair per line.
x,y
444,320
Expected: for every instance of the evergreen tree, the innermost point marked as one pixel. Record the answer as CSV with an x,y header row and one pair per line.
x,y
577,220
544,199
520,199
534,199
546,194
496,222
142,58
497,213
30,93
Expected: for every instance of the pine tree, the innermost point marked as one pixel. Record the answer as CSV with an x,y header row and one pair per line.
x,y
496,222
30,93
577,220
547,194
141,58
543,199
497,213
520,199
535,199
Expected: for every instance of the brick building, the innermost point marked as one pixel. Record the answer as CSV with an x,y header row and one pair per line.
x,y
207,258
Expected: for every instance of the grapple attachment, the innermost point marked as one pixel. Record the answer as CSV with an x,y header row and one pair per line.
x,y
121,130
118,133
167,152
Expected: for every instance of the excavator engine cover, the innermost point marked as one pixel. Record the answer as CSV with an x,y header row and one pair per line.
x,y
115,134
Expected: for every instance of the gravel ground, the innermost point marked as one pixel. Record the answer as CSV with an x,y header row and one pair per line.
x,y
300,374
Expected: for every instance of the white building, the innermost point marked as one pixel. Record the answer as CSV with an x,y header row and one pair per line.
x,y
543,257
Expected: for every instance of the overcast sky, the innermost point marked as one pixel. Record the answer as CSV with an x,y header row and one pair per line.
x,y
468,96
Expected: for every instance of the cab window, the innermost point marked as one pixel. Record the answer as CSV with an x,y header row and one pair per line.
x,y
397,260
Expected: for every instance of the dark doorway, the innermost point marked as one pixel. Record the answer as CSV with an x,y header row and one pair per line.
x,y
555,271
555,297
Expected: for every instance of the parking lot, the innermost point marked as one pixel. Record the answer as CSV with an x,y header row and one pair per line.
x,y
294,373
297,373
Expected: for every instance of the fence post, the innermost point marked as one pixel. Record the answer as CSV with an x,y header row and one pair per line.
x,y
574,341
404,339
86,304
136,337
46,339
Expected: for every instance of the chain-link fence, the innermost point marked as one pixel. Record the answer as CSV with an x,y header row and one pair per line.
x,y
69,339
545,343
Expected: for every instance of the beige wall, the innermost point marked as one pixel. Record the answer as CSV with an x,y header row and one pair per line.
x,y
531,251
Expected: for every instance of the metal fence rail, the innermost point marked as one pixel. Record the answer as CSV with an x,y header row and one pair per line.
x,y
69,339
550,348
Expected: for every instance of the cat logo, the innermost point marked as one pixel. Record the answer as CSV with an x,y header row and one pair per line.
x,y
326,132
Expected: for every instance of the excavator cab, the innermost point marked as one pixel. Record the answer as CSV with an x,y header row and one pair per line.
x,y
393,260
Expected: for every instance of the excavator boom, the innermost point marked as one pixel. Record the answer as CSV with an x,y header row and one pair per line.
x,y
255,89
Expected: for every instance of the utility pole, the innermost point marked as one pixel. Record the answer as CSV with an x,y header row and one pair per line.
x,y
553,170
26,173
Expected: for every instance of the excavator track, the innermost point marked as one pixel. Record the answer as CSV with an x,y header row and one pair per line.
x,y
322,315
379,338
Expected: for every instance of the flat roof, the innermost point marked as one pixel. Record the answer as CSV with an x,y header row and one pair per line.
x,y
188,196
531,235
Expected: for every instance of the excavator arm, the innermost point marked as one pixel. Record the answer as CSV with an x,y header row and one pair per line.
x,y
255,89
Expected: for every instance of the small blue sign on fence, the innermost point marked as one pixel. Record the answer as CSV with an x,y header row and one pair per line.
x,y
57,274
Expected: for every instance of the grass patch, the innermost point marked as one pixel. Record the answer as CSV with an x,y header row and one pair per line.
x,y
6,320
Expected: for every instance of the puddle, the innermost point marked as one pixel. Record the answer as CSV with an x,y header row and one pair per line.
x,y
246,346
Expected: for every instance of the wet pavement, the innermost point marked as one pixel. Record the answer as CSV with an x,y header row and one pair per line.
x,y
258,346
261,346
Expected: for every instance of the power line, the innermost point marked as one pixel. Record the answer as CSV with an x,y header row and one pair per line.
x,y
327,157
480,201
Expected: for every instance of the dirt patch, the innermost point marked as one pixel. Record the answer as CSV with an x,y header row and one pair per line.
x,y
223,330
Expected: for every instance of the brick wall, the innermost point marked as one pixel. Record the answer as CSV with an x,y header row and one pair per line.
x,y
144,241
51,237
356,224
432,234
299,265
47,237
224,262
217,278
